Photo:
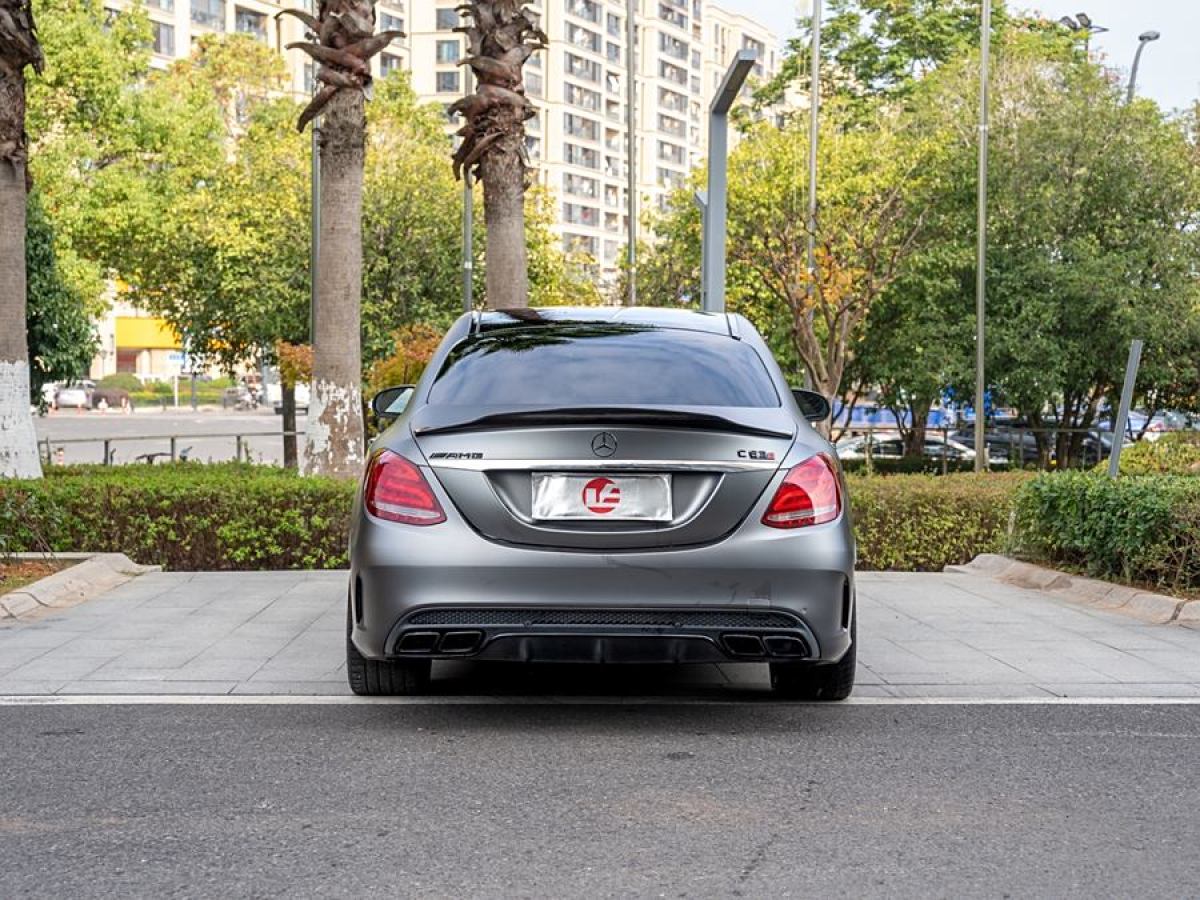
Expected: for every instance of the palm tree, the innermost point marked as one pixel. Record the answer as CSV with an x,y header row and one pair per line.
x,y
342,40
501,36
18,49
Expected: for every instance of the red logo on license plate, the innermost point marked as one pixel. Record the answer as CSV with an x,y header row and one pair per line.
x,y
601,495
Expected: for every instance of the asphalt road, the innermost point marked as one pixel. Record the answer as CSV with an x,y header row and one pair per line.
x,y
573,800
149,431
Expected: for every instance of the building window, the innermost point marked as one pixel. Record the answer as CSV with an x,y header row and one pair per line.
x,y
164,38
447,83
580,186
670,180
613,52
579,127
672,46
585,39
249,22
583,69
582,97
164,5
674,16
534,146
671,153
614,25
575,214
448,52
672,126
389,63
585,157
209,13
447,20
388,22
585,9
671,101
672,73
579,243
533,84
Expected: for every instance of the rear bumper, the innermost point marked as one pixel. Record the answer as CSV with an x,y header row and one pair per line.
x,y
400,574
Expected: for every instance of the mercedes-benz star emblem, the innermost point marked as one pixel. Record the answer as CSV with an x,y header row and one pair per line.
x,y
604,444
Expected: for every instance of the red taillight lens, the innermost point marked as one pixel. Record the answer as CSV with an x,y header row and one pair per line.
x,y
398,492
809,495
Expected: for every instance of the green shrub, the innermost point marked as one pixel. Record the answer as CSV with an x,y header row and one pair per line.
x,y
122,381
1175,453
192,516
922,523
185,517
1142,529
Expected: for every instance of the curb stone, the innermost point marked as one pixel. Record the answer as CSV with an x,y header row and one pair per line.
x,y
92,574
1157,609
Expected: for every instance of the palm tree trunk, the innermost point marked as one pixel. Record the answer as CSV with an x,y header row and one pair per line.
x,y
341,36
501,36
334,432
18,49
503,179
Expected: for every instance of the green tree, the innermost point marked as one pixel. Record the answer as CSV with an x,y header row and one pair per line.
x,y
58,319
871,222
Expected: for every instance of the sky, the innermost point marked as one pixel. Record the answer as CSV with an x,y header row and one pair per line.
x,y
1170,68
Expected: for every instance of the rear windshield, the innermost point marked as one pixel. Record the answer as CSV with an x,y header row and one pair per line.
x,y
603,365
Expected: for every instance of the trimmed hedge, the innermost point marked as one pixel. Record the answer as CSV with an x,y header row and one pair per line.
x,y
185,517
197,517
1142,530
922,523
1176,453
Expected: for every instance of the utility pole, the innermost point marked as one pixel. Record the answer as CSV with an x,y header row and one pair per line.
x,y
985,45
315,244
631,127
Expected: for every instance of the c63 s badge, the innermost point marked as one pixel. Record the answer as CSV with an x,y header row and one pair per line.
x,y
755,454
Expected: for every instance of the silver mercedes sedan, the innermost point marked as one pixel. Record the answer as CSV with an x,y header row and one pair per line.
x,y
604,486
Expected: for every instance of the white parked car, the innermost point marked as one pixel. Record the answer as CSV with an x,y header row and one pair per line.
x,y
77,395
890,445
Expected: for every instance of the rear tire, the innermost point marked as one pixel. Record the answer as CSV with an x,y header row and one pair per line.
x,y
824,682
386,677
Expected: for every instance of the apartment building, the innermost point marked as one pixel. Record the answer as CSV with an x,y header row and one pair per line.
x,y
579,137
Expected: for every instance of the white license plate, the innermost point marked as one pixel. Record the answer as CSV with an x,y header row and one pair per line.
x,y
640,498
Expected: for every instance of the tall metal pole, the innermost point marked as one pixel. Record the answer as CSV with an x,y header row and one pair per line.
x,y
316,224
716,212
985,46
1131,370
468,236
631,128
1143,39
814,119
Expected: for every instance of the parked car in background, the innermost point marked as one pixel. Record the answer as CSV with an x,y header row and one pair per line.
x,y
890,445
1005,444
77,395
275,397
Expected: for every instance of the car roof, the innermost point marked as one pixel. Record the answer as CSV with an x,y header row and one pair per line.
x,y
643,316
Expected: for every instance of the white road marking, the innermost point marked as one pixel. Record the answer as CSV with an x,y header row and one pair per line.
x,y
749,701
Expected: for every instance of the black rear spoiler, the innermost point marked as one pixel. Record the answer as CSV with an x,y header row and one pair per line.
x,y
433,420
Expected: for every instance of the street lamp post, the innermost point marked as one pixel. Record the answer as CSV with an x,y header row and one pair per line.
x,y
1144,38
985,45
631,118
717,199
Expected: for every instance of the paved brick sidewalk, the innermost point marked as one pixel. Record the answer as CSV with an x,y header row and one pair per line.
x,y
923,636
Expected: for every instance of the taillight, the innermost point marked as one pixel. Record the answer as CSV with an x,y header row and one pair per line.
x,y
809,495
398,492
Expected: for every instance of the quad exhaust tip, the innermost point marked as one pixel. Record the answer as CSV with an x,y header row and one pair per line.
x,y
747,645
455,642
